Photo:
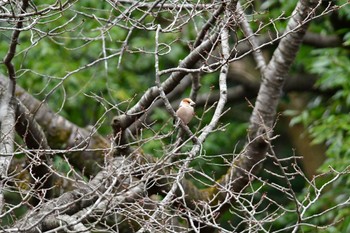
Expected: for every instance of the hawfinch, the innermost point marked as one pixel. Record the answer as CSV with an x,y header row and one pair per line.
x,y
186,110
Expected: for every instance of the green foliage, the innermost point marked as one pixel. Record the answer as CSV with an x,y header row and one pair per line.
x,y
61,165
275,6
327,118
344,12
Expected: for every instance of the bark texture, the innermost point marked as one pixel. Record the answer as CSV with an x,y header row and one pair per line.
x,y
264,112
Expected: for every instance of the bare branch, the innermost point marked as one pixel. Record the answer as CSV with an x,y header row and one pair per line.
x,y
152,93
244,24
264,113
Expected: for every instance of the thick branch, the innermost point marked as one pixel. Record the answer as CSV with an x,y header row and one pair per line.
x,y
264,113
33,136
322,41
111,181
86,147
6,145
7,112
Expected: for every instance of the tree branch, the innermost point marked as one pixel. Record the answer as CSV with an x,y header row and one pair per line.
x,y
33,136
152,93
86,147
264,112
248,32
112,181
7,112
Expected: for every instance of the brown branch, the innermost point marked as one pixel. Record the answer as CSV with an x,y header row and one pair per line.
x,y
57,6
322,41
33,136
210,23
12,49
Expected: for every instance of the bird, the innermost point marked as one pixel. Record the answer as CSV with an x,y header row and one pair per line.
x,y
186,110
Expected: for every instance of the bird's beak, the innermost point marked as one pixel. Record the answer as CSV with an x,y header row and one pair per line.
x,y
192,103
